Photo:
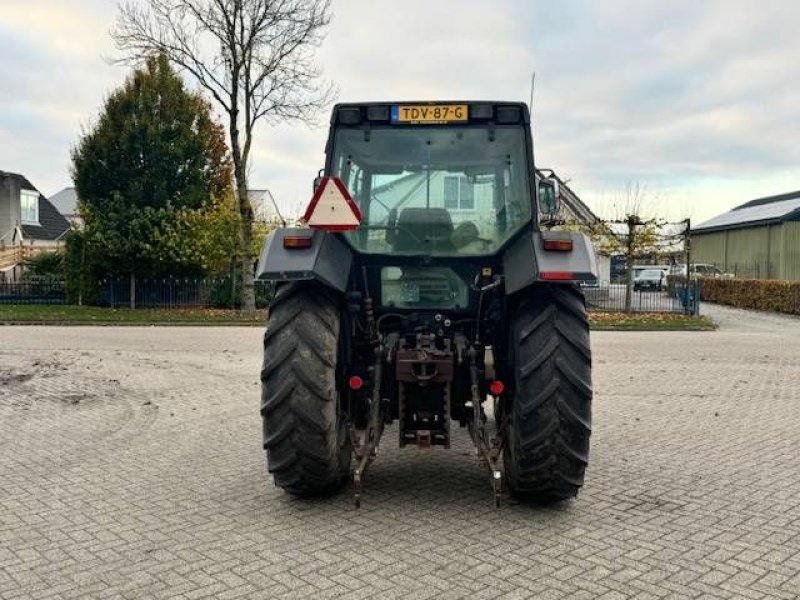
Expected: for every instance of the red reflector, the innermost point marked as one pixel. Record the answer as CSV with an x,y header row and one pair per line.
x,y
558,245
291,242
496,387
355,382
332,207
557,275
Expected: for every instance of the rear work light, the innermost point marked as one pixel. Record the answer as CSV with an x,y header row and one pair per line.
x,y
508,114
558,245
295,242
378,113
349,115
480,111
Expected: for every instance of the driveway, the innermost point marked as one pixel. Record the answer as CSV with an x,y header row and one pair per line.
x,y
131,467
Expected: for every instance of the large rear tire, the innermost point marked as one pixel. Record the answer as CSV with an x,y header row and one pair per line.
x,y
305,431
549,420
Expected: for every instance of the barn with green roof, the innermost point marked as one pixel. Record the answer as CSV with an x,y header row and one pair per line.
x,y
759,239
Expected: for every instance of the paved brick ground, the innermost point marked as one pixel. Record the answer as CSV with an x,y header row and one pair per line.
x,y
130,467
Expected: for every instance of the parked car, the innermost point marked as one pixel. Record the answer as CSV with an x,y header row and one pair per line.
x,y
701,270
638,269
649,279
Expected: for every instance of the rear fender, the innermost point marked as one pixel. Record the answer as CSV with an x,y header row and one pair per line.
x,y
527,262
328,260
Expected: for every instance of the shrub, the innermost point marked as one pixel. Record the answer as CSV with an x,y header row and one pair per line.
x,y
82,271
44,267
759,294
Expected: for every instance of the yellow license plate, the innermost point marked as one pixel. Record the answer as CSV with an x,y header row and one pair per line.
x,y
429,114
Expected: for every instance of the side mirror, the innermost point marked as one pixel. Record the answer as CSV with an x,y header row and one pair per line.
x,y
318,180
549,199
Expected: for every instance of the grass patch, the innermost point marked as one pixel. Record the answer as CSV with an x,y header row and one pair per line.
x,y
95,315
649,322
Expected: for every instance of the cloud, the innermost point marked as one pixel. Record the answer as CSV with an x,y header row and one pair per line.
x,y
698,101
55,78
681,96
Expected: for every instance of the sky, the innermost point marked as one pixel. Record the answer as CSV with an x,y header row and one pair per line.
x,y
697,103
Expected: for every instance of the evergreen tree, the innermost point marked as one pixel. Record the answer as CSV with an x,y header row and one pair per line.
x,y
155,160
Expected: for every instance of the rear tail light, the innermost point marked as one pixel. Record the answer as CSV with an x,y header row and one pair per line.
x,y
557,275
496,387
558,245
295,242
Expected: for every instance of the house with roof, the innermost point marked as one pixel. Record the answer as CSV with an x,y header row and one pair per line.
x,y
29,224
265,208
759,239
66,203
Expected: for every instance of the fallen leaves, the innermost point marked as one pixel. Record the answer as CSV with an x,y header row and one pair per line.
x,y
643,321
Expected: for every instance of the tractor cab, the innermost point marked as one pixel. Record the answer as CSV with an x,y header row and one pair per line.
x,y
434,180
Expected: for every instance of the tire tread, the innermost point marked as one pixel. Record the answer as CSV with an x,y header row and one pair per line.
x,y
302,427
547,447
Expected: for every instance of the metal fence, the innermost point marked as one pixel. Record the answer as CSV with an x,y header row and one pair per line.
x,y
175,292
750,270
179,292
171,292
680,297
33,292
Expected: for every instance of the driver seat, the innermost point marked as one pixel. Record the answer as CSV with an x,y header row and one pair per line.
x,y
424,230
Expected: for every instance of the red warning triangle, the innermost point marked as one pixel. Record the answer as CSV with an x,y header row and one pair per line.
x,y
332,207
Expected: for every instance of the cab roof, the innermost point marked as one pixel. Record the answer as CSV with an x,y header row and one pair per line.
x,y
479,111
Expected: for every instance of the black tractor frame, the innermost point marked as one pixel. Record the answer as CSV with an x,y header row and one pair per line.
x,y
341,361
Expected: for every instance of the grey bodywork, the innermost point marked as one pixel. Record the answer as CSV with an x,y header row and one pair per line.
x,y
525,260
329,259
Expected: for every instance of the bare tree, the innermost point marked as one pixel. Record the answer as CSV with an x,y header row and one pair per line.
x,y
256,58
627,232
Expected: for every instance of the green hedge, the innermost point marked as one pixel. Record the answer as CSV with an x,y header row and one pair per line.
x,y
760,294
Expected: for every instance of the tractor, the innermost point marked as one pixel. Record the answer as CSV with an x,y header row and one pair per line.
x,y
428,288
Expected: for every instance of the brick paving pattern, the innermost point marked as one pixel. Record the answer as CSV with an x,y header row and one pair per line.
x,y
131,467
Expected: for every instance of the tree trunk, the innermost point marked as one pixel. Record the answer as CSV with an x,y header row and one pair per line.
x,y
688,248
629,286
629,257
243,202
245,245
81,279
133,289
